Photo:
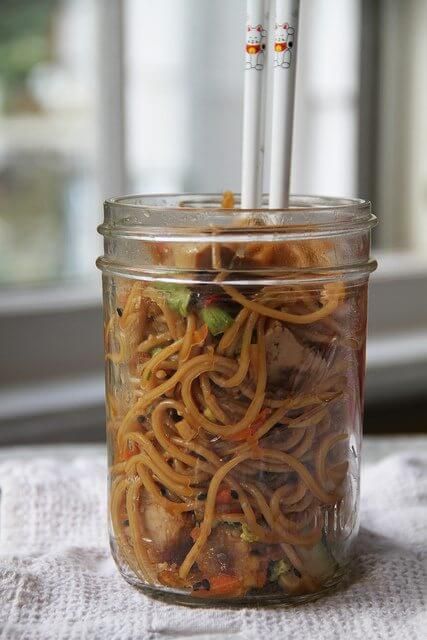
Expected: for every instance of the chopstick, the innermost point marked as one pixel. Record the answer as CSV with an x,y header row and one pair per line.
x,y
285,54
282,52
254,103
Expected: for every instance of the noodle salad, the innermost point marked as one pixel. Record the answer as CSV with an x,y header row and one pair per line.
x,y
233,418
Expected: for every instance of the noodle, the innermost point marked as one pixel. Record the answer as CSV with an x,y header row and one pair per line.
x,y
206,525
245,355
225,459
328,308
211,402
132,500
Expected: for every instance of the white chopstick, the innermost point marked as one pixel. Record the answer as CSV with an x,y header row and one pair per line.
x,y
285,58
254,103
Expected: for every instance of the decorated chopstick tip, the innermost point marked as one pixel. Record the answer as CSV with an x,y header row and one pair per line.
x,y
284,50
254,102
255,47
284,35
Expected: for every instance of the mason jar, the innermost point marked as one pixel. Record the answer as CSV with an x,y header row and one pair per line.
x,y
235,362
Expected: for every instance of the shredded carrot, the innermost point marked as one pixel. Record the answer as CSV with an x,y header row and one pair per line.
x,y
224,497
240,435
228,200
224,584
127,454
220,585
251,431
200,335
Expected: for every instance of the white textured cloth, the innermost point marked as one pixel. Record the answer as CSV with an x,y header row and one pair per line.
x,y
57,580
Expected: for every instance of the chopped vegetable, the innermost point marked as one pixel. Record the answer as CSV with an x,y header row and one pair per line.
x,y
224,584
128,454
277,568
224,497
200,335
217,319
250,431
228,200
240,435
177,296
247,535
220,585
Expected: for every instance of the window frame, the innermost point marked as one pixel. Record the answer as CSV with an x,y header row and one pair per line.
x,y
63,364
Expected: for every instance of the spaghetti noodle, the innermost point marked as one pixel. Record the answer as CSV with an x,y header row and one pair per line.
x,y
230,416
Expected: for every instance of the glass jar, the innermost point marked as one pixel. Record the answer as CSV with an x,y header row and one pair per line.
x,y
235,360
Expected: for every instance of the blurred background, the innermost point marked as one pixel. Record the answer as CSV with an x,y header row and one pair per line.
x,y
105,97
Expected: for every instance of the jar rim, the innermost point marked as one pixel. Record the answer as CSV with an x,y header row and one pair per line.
x,y
301,202
192,215
149,228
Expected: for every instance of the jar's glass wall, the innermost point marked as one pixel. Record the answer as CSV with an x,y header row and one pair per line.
x,y
234,425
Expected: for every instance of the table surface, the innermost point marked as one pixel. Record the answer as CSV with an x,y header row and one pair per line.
x,y
58,580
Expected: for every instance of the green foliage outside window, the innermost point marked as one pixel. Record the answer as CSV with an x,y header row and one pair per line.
x,y
25,31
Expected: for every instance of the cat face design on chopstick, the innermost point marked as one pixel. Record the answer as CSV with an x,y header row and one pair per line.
x,y
283,44
255,47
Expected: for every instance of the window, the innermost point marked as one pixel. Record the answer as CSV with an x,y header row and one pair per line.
x,y
401,168
392,171
188,67
47,140
49,207
99,98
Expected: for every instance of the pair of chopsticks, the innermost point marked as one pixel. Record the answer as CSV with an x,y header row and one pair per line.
x,y
281,49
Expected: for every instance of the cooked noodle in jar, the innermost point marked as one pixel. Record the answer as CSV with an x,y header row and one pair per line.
x,y
234,396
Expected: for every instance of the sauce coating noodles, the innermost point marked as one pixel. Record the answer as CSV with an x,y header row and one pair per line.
x,y
234,423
